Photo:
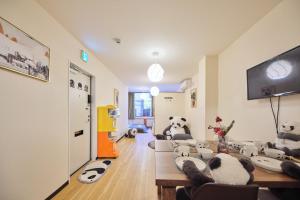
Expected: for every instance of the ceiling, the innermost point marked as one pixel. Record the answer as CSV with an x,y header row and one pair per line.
x,y
182,31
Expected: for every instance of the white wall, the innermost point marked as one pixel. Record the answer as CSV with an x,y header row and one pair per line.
x,y
34,114
164,108
206,82
277,32
193,115
211,94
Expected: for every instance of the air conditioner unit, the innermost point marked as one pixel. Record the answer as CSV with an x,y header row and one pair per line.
x,y
185,84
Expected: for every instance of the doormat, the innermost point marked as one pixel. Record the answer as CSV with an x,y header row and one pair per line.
x,y
94,171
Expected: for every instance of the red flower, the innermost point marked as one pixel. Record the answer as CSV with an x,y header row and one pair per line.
x,y
218,119
221,133
216,130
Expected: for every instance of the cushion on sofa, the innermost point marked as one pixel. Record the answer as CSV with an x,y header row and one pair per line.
x,y
182,137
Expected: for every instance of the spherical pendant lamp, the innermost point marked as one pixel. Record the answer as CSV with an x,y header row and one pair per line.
x,y
155,72
154,91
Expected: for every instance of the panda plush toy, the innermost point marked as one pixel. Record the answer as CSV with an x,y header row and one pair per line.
x,y
288,139
223,168
177,126
94,171
131,133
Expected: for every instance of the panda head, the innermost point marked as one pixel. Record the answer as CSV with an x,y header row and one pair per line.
x,y
177,122
133,131
226,169
290,127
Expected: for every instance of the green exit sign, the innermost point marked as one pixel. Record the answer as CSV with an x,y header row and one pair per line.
x,y
84,56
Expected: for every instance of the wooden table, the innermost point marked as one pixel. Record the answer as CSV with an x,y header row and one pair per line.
x,y
166,146
168,176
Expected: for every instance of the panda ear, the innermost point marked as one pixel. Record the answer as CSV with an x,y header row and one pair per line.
x,y
247,164
183,119
214,163
170,118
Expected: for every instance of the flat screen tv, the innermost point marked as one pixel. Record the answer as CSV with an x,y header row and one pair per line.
x,y
275,77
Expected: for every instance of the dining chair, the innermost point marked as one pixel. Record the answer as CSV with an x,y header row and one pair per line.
x,y
213,191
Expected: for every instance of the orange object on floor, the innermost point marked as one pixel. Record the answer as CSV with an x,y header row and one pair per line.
x,y
106,147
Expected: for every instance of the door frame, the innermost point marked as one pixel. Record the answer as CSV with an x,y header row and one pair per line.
x,y
93,114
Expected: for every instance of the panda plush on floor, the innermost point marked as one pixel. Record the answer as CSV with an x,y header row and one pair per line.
x,y
177,126
131,133
94,171
223,168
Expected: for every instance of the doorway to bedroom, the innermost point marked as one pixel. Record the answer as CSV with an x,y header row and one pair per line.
x,y
141,111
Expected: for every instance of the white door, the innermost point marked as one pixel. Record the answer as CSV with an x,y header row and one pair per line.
x,y
80,125
165,106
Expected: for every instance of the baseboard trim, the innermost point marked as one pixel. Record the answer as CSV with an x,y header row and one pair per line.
x,y
58,190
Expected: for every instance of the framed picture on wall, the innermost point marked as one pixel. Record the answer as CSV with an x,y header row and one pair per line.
x,y
194,98
116,97
20,53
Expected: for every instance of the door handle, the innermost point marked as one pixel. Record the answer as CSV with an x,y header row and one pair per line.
x,y
78,133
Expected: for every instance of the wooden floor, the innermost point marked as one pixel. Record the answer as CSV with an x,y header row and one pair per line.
x,y
130,177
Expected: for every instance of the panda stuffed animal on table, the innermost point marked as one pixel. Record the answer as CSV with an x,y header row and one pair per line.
x,y
177,125
223,168
288,139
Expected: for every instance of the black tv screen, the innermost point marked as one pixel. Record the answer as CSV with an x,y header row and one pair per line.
x,y
275,77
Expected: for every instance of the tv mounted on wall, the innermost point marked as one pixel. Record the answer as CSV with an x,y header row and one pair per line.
x,y
277,76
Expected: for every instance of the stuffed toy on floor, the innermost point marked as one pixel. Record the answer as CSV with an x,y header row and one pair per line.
x,y
223,168
131,133
177,125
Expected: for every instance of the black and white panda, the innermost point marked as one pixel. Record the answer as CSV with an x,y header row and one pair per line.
x,y
94,171
131,133
177,125
223,168
288,139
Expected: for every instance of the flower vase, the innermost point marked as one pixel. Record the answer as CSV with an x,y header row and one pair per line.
x,y
222,145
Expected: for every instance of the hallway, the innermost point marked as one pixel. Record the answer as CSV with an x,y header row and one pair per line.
x,y
130,177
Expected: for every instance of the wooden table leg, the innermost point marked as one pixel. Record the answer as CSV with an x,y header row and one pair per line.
x,y
168,193
159,189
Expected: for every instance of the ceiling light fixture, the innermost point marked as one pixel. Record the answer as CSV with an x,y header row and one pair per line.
x,y
154,91
155,71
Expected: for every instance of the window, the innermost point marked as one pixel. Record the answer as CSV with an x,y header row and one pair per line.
x,y
143,105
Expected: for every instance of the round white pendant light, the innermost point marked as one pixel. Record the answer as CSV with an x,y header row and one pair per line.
x,y
155,72
154,91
